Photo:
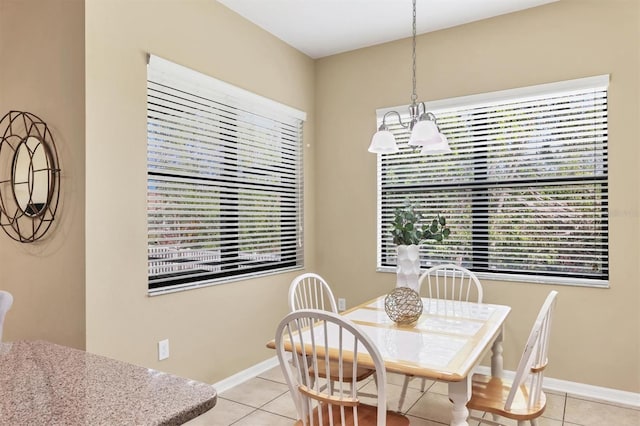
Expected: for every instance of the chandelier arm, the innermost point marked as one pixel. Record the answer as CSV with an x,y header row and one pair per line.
x,y
383,126
422,113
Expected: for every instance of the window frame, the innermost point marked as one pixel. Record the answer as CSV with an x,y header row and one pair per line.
x,y
223,163
601,81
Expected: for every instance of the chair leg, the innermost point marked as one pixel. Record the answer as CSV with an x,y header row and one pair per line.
x,y
424,385
534,422
403,393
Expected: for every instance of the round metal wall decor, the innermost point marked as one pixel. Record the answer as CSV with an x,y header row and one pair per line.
x,y
29,177
403,305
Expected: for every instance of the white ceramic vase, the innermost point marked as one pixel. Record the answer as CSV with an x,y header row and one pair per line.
x,y
408,270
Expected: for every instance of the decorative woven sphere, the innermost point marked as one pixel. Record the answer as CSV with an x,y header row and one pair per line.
x,y
403,305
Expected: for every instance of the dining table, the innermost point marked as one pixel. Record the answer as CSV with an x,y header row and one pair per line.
x,y
43,383
447,342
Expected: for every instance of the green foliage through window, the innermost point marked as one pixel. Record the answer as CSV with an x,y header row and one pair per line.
x,y
525,191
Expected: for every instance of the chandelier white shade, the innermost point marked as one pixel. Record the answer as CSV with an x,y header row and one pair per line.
x,y
422,124
437,146
383,142
426,134
423,133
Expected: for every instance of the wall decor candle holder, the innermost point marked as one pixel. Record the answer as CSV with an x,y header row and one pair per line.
x,y
29,177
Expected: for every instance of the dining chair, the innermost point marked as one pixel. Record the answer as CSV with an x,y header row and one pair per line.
x,y
450,282
522,398
330,405
311,291
6,300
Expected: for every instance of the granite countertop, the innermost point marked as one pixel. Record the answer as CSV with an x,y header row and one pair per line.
x,y
42,383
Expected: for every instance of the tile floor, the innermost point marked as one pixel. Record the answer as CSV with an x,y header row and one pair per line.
x,y
265,400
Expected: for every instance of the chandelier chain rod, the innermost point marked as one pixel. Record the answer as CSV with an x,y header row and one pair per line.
x,y
414,96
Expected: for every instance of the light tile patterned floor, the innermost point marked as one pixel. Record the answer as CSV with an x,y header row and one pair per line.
x,y
265,400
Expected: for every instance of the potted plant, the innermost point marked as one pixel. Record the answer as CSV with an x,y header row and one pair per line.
x,y
408,234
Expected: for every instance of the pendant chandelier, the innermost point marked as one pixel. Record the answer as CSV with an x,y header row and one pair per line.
x,y
425,133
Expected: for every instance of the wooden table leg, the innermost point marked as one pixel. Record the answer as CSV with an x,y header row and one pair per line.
x,y
460,393
496,355
496,360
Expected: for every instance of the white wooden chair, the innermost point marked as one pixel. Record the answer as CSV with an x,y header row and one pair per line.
x,y
521,399
451,282
311,291
331,405
6,300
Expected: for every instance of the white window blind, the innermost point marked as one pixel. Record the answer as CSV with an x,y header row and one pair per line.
x,y
525,189
224,181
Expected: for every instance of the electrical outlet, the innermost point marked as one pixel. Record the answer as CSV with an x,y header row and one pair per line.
x,y
163,349
342,304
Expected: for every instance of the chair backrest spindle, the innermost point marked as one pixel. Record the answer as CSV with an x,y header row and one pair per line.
x,y
311,291
451,282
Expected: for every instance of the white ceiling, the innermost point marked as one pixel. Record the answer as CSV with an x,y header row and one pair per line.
x,y
326,27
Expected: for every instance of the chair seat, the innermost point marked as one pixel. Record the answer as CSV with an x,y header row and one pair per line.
x,y
490,394
367,415
347,372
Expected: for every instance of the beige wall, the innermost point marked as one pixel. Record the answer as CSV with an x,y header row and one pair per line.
x,y
214,331
217,331
42,72
596,335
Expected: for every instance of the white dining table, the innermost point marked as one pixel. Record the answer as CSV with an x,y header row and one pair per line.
x,y
448,341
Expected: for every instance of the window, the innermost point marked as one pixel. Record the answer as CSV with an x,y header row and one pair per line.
x,y
524,191
224,181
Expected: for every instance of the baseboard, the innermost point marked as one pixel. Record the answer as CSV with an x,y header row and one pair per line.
x,y
243,376
613,396
581,390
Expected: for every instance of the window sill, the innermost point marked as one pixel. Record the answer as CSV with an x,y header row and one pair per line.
x,y
534,279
